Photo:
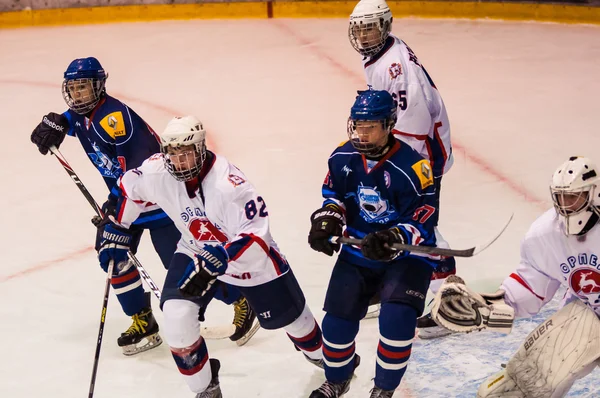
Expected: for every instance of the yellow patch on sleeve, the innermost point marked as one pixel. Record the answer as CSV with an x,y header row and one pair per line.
x,y
423,170
342,143
113,124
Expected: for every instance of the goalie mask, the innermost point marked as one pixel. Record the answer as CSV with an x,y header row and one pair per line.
x,y
184,148
83,85
370,26
574,191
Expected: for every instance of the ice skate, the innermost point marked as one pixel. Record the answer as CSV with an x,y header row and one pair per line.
x,y
142,335
214,388
377,392
245,322
428,329
335,390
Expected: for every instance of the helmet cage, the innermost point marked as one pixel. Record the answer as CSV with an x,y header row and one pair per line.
x,y
85,103
368,33
368,148
194,158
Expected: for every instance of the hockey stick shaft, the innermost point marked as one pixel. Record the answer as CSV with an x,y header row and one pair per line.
x,y
101,329
410,248
143,273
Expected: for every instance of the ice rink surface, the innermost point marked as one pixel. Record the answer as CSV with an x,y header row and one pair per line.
x,y
274,96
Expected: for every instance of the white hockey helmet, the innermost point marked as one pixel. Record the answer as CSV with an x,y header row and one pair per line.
x,y
183,144
574,193
370,26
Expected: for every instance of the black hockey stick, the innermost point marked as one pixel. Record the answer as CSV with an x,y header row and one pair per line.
x,y
470,252
101,329
143,273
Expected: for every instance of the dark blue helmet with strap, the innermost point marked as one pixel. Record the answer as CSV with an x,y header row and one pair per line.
x,y
84,84
372,106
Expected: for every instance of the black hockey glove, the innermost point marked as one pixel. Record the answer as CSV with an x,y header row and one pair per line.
x,y
203,270
326,222
377,245
50,132
109,208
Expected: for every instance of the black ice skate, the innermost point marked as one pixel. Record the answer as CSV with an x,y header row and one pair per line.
x,y
317,362
214,388
335,390
428,329
377,392
245,322
142,335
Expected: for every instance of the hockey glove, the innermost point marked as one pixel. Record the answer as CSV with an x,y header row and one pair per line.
x,y
203,270
378,245
114,246
459,309
326,222
50,132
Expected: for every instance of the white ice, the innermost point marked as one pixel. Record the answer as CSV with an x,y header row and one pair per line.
x,y
275,96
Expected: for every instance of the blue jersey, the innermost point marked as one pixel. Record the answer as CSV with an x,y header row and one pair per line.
x,y
116,139
396,191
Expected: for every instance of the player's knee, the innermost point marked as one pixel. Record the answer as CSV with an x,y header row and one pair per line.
x,y
399,317
337,329
302,325
181,325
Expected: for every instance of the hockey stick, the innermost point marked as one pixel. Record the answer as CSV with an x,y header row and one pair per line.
x,y
101,329
470,252
216,332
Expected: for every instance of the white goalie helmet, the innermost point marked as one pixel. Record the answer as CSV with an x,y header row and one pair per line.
x,y
183,144
574,194
370,26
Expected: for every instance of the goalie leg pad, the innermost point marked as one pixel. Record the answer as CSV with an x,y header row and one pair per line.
x,y
562,349
500,385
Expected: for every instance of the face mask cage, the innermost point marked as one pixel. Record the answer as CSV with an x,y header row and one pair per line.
x,y
570,203
373,146
82,95
368,38
184,165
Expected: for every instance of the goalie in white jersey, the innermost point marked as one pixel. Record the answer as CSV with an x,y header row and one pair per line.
x,y
422,122
562,247
225,236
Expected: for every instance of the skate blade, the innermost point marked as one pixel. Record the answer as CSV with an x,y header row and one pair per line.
x,y
147,343
246,338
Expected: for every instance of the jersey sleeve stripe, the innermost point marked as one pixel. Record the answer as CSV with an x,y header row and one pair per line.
x,y
517,278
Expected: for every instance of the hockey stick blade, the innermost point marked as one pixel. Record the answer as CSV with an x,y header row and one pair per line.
x,y
470,252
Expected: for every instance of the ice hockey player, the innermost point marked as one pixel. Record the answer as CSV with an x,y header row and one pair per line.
x,y
203,193
383,192
422,121
561,248
116,139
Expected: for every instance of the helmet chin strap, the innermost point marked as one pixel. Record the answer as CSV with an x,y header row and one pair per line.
x,y
384,149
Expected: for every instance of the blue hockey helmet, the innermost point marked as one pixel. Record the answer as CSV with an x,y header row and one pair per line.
x,y
83,84
372,118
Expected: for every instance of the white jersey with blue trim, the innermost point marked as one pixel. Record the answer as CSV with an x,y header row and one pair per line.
x,y
422,118
549,259
223,209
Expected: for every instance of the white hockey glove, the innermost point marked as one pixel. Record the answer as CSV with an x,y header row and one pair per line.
x,y
459,309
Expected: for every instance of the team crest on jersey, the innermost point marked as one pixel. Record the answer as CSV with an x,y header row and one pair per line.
x,y
235,180
205,231
373,208
585,283
106,166
423,170
395,70
113,124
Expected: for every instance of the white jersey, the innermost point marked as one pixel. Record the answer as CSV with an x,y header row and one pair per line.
x,y
223,209
422,118
549,259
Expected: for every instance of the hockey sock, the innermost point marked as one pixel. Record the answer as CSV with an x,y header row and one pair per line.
x,y
127,285
305,333
193,364
338,347
397,324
